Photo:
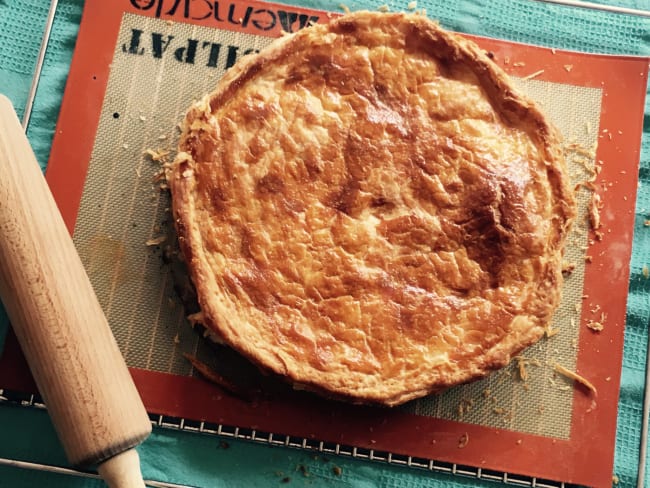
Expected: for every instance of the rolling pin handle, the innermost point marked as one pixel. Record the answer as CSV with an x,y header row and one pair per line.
x,y
122,471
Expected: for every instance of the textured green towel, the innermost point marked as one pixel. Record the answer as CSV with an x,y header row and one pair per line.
x,y
201,460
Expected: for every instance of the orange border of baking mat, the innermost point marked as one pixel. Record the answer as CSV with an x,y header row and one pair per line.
x,y
586,458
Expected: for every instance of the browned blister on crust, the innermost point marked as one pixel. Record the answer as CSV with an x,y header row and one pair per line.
x,y
371,209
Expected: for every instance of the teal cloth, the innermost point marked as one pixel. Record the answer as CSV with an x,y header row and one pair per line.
x,y
200,460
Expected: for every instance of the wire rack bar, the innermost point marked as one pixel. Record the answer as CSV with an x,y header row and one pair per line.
x,y
36,78
598,6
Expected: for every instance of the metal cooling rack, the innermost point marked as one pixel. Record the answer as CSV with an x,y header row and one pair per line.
x,y
281,440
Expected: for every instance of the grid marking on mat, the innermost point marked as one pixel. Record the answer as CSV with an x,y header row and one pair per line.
x,y
122,207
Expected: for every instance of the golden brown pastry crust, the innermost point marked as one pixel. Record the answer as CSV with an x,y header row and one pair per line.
x,y
371,209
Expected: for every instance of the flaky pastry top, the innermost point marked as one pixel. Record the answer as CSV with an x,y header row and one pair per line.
x,y
371,209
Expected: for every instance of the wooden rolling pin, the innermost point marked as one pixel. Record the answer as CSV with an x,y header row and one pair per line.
x,y
66,339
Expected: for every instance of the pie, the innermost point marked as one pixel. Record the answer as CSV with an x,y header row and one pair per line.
x,y
372,210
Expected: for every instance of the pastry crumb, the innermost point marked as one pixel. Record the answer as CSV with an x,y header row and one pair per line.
x,y
576,377
154,241
533,75
464,406
463,440
568,268
195,318
594,325
157,155
523,363
595,204
594,309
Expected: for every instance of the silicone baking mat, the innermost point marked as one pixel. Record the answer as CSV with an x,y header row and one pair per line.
x,y
137,67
